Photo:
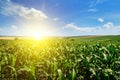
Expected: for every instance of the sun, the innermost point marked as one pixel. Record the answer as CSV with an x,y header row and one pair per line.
x,y
37,37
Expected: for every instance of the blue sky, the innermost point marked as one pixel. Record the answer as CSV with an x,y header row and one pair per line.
x,y
59,17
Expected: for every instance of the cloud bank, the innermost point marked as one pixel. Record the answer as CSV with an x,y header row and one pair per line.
x,y
75,27
12,9
30,20
106,29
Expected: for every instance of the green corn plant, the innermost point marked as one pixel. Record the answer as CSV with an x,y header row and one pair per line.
x,y
29,72
60,74
73,74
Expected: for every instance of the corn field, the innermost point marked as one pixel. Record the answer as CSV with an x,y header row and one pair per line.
x,y
60,59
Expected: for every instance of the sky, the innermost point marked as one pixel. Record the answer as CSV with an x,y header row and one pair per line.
x,y
59,17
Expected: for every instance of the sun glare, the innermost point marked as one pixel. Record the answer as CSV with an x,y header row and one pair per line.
x,y
37,37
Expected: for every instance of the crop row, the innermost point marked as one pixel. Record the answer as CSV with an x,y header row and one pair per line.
x,y
59,60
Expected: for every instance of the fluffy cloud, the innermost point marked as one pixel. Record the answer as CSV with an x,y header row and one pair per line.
x,y
31,14
100,19
108,25
12,9
28,21
106,29
82,29
56,19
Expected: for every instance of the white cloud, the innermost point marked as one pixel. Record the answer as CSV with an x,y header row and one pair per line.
x,y
106,29
12,9
108,25
92,10
14,27
29,20
93,3
100,19
74,27
32,14
56,19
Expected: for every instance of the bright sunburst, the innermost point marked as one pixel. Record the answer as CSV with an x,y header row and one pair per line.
x,y
38,37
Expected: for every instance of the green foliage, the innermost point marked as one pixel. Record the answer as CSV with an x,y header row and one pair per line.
x,y
60,59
